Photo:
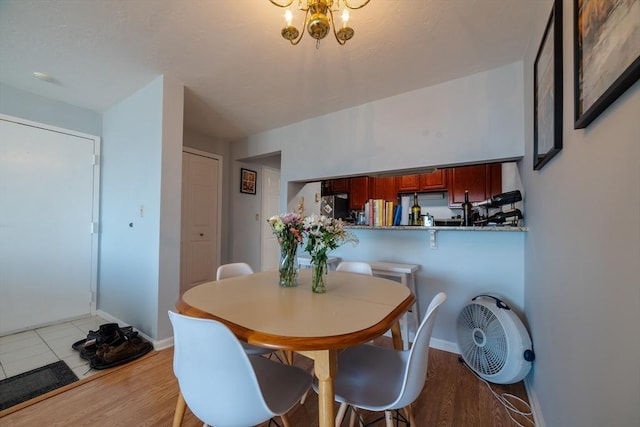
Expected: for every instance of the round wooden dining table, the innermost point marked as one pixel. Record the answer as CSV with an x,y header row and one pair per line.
x,y
355,309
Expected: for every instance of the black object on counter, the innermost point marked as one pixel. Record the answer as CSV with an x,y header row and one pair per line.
x,y
502,199
467,211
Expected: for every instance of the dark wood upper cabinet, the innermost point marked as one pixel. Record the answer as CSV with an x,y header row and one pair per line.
x,y
482,182
336,186
385,188
436,180
408,183
360,190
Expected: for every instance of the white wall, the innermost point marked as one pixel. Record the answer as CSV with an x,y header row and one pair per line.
x,y
140,207
472,119
464,264
582,261
170,202
19,103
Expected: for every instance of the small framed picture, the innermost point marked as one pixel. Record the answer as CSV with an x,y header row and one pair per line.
x,y
248,181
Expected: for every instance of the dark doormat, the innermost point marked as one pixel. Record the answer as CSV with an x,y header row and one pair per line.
x,y
25,386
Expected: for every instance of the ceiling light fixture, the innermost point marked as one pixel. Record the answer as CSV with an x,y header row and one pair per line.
x,y
318,20
44,77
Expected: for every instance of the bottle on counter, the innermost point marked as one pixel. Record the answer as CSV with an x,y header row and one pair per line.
x,y
415,218
467,211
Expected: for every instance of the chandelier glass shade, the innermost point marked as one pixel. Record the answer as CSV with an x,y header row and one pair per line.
x,y
318,19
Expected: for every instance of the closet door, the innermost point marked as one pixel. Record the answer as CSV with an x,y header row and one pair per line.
x,y
48,216
200,241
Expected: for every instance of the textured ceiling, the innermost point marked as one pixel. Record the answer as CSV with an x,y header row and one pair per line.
x,y
240,76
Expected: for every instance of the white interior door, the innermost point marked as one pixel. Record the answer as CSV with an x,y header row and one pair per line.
x,y
270,250
200,219
48,219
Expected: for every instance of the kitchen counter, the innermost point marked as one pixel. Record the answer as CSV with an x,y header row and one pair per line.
x,y
436,228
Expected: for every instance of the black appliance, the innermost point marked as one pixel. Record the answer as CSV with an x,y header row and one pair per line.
x,y
335,206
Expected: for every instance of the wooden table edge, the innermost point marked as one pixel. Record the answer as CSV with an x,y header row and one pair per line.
x,y
303,343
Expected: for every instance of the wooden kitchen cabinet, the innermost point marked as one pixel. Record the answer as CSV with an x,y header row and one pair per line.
x,y
385,188
360,190
336,186
408,183
434,181
482,182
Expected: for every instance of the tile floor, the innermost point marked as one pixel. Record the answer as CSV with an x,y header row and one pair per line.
x,y
32,349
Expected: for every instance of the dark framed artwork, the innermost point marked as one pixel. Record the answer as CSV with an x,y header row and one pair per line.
x,y
248,181
606,46
547,91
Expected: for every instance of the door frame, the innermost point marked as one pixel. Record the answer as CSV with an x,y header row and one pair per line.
x,y
94,227
263,213
218,225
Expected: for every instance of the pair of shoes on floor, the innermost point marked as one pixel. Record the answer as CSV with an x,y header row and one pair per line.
x,y
112,345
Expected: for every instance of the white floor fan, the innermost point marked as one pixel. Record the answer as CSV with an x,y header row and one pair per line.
x,y
493,341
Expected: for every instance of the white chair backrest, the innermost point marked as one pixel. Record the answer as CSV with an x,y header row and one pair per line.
x,y
418,356
216,378
232,270
355,267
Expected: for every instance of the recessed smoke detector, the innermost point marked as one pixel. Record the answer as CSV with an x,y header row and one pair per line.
x,y
44,77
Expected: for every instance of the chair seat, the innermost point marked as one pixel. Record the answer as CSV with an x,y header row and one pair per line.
x,y
371,377
281,385
254,350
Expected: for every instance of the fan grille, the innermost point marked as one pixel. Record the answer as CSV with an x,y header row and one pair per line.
x,y
482,339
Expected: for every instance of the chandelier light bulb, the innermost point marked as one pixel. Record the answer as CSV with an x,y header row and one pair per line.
x,y
288,16
345,17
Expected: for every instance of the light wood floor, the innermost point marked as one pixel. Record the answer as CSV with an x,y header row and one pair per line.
x,y
143,393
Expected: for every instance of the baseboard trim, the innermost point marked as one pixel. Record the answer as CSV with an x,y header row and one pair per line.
x,y
163,344
449,346
536,411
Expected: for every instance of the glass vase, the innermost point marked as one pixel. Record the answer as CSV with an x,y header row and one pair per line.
x,y
289,266
318,277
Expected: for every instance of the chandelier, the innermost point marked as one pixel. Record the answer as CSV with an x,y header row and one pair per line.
x,y
318,20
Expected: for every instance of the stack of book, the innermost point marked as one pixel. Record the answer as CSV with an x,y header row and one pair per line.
x,y
381,213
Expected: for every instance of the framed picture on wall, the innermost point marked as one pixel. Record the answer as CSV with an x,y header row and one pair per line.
x,y
606,44
248,181
547,91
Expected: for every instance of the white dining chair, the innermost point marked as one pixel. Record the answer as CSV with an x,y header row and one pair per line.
x,y
225,387
383,379
235,269
355,267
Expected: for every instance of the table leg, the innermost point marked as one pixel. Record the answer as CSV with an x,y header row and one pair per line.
x,y
181,407
396,335
325,368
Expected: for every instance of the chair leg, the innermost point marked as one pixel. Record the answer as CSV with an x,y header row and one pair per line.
x,y
341,411
352,418
285,420
181,406
388,416
288,355
304,396
408,410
